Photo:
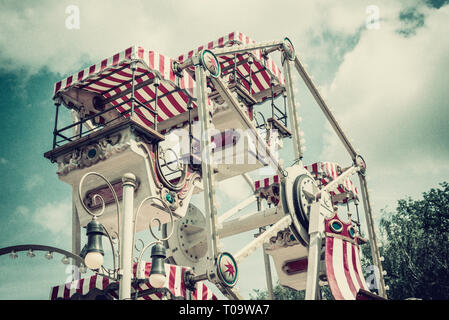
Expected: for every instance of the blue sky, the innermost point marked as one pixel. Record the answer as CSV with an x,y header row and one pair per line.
x,y
388,87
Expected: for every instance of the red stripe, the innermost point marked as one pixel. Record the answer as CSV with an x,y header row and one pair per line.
x,y
54,293
115,59
257,184
80,75
151,59
91,69
67,291
80,286
354,265
161,64
92,282
160,103
105,282
330,269
210,45
264,74
220,41
69,81
128,52
205,290
172,100
140,52
254,78
171,279
266,182
104,63
346,268
231,36
276,179
58,86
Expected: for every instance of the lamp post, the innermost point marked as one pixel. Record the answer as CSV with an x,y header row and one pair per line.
x,y
126,249
93,252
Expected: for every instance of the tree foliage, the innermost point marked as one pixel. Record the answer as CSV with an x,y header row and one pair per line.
x,y
416,246
284,293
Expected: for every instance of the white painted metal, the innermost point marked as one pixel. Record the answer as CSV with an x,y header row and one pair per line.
x,y
375,253
206,165
243,253
258,140
322,104
236,209
293,113
249,222
316,229
127,236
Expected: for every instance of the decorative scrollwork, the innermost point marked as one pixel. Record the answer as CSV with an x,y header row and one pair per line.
x,y
95,216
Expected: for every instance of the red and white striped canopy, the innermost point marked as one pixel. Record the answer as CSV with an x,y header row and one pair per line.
x,y
174,282
263,70
325,172
343,265
113,76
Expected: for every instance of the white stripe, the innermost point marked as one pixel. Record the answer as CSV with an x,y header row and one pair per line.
x,y
352,271
359,268
177,289
337,262
199,291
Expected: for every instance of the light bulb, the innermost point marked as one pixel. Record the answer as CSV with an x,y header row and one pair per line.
x,y
93,260
157,280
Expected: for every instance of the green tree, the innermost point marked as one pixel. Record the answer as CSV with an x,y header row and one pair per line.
x,y
415,245
284,293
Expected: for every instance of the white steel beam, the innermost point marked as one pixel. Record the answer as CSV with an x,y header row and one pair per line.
x,y
264,237
372,235
249,222
259,141
328,114
206,165
235,209
316,228
291,105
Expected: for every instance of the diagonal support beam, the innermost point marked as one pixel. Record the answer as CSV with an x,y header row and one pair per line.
x,y
260,142
328,114
375,253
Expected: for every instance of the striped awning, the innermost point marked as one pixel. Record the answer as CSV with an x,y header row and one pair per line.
x,y
263,69
325,172
343,265
174,283
112,77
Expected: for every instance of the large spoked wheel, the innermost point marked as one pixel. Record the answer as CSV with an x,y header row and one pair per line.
x,y
297,192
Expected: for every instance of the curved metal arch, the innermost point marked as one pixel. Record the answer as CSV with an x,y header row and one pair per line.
x,y
37,247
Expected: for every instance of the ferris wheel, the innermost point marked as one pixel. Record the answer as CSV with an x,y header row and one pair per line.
x,y
156,131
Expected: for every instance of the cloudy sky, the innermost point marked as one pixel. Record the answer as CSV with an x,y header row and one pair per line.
x,y
386,80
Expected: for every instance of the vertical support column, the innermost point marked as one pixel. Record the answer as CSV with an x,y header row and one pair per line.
x,y
133,72
76,231
316,226
76,240
126,238
291,105
206,164
266,260
55,130
372,236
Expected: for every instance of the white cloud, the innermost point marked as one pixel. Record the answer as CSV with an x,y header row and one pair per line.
x,y
33,181
34,35
55,217
390,95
